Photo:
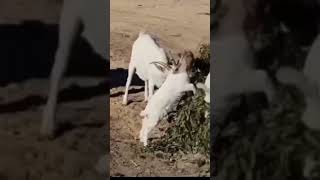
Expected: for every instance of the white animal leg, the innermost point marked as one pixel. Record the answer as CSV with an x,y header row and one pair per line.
x,y
146,90
129,79
151,88
69,29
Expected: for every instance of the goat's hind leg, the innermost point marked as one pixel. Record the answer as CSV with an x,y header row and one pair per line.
x,y
68,30
150,88
131,71
146,82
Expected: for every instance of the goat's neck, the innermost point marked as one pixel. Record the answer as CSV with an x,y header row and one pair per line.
x,y
232,23
181,69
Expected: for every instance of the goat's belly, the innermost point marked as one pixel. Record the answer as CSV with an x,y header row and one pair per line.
x,y
141,74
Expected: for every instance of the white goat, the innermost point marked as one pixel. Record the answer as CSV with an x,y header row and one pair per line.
x,y
234,72
308,82
145,50
92,15
171,90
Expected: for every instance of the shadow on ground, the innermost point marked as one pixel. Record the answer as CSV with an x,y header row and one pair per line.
x,y
27,52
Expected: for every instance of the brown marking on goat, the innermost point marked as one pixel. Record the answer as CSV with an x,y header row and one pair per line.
x,y
185,63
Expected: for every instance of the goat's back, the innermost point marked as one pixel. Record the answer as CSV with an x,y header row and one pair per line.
x,y
144,51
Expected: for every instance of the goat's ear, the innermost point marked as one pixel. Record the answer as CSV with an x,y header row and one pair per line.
x,y
161,68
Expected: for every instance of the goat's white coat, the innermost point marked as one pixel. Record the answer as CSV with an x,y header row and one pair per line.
x,y
308,82
170,91
144,51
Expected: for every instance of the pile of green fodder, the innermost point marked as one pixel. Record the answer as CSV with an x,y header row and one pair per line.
x,y
271,144
189,129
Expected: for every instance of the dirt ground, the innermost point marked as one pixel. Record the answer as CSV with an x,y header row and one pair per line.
x,y
180,24
73,154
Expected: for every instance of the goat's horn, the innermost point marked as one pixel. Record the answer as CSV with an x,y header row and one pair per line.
x,y
170,54
162,64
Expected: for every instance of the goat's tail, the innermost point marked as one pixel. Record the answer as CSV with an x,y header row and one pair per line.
x,y
288,75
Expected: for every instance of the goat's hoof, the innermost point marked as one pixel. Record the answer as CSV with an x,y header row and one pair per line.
x,y
48,133
124,102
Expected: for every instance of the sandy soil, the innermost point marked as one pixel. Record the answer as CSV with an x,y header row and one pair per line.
x,y
181,24
72,155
